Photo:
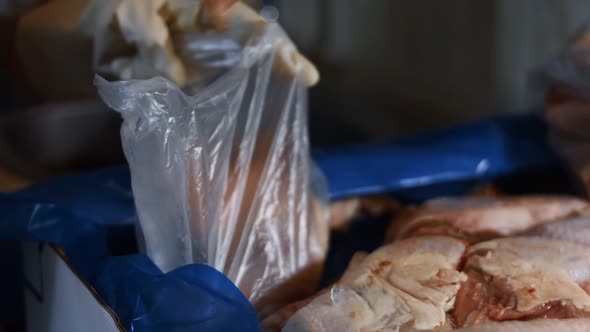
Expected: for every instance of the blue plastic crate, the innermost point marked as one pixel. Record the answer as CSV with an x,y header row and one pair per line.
x,y
92,217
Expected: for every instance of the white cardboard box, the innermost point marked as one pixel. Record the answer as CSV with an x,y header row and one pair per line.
x,y
57,299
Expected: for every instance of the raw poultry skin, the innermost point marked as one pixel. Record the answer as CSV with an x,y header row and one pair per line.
x,y
480,218
278,319
405,286
575,230
537,280
537,325
523,278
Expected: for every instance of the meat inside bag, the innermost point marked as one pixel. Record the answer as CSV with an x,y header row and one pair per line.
x,y
222,175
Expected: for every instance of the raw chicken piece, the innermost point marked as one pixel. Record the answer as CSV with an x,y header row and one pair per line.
x,y
477,218
277,320
342,212
575,230
408,285
537,325
523,278
485,190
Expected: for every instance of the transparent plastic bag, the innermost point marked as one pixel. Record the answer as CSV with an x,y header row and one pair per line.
x,y
224,176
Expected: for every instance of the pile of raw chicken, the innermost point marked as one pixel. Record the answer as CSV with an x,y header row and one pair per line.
x,y
463,264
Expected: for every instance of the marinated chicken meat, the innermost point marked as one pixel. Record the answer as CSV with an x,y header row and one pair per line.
x,y
479,218
404,286
523,278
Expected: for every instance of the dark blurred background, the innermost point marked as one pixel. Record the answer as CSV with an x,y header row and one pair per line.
x,y
388,68
394,67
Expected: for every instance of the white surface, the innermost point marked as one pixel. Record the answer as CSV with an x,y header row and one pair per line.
x,y
56,299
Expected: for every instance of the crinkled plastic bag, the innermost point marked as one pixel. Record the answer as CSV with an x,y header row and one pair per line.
x,y
224,176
